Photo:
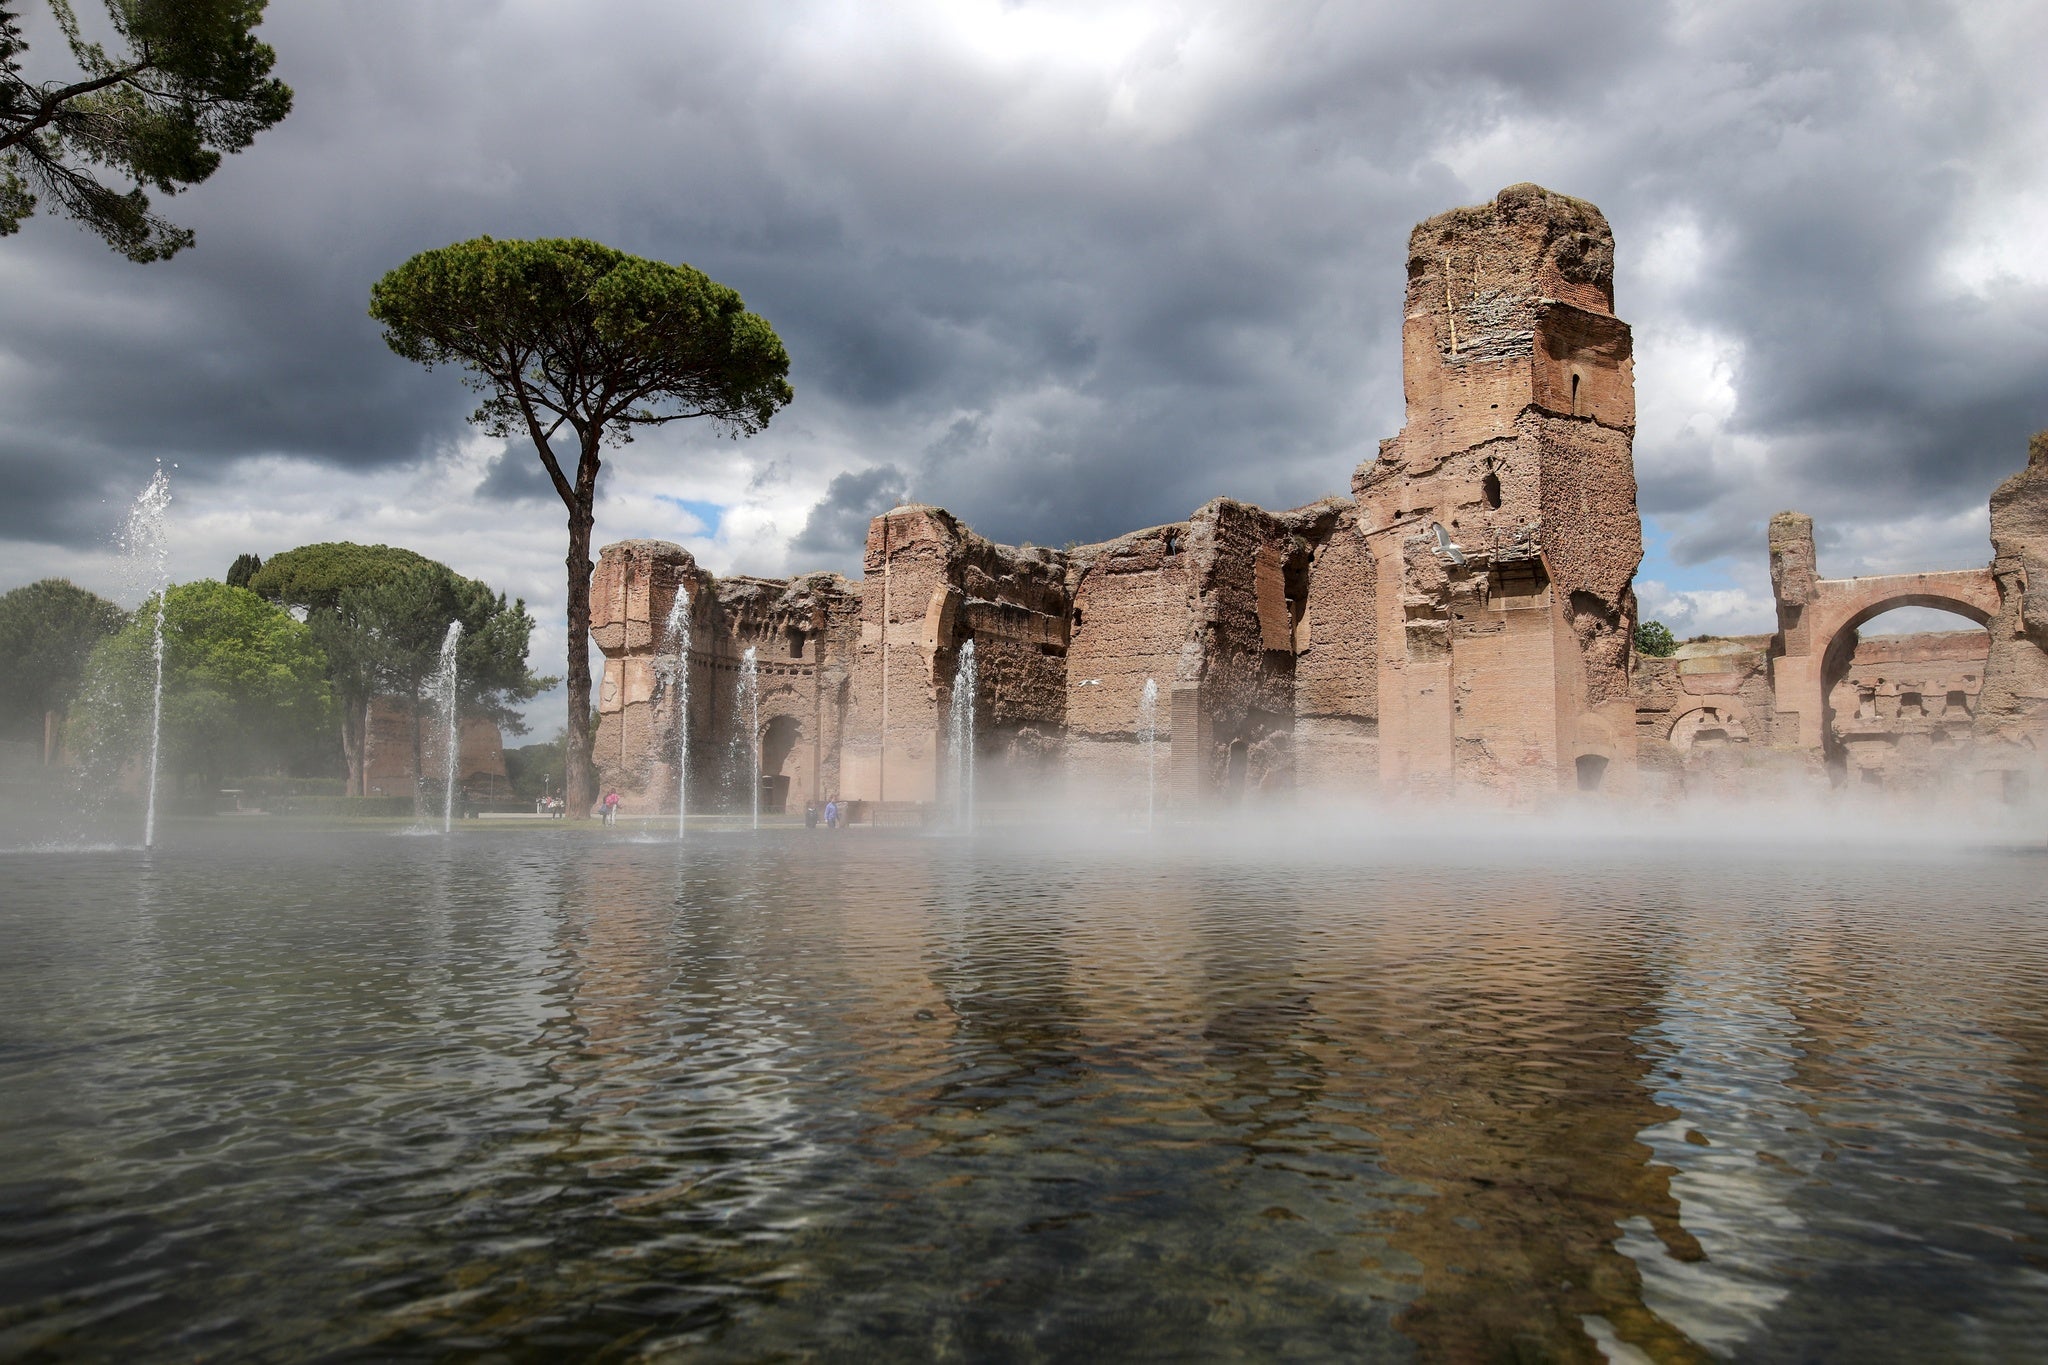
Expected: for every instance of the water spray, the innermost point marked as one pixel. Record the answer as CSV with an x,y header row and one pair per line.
x,y
444,687
147,550
678,631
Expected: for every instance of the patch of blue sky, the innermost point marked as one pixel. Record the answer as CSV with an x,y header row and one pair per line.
x,y
1659,567
707,514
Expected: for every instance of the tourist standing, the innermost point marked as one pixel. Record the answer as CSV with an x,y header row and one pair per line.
x,y
831,812
810,815
611,808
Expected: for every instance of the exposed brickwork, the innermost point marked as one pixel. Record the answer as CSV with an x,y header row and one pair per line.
x,y
1461,627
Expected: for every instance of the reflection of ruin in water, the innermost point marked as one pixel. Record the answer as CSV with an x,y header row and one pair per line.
x,y
1252,1096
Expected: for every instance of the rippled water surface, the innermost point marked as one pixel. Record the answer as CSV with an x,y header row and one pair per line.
x,y
540,1094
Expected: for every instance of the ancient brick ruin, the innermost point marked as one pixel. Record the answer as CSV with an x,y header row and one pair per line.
x,y
1460,627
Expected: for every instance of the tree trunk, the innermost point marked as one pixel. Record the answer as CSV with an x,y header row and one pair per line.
x,y
580,781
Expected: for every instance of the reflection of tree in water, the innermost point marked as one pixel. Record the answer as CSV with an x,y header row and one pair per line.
x,y
1510,1086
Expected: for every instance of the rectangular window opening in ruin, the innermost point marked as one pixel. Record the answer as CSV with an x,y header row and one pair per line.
x,y
1518,586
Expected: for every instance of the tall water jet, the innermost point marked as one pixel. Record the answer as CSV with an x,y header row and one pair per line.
x,y
960,730
1148,731
678,634
750,708
451,745
149,562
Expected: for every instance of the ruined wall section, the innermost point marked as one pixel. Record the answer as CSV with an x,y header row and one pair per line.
x,y
1248,570
1703,721
1336,664
632,590
2013,715
388,760
1592,541
1133,614
1904,712
931,584
1505,652
1015,606
801,630
910,562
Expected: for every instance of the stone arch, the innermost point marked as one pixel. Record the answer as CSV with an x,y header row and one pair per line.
x,y
1819,643
1588,752
782,756
787,748
1723,719
1837,646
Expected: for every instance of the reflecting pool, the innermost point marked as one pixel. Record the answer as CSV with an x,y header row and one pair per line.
x,y
540,1094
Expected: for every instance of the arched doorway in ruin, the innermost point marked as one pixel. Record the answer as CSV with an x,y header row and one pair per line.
x,y
1710,726
1900,681
785,775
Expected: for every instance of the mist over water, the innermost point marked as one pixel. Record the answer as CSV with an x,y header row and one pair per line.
x,y
1466,1086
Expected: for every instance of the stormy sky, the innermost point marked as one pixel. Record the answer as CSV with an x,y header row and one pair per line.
x,y
1066,268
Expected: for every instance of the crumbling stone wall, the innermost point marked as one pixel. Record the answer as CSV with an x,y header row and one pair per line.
x,y
1239,652
2012,723
632,590
1336,666
1905,712
1134,601
388,756
1703,721
802,631
931,584
1502,521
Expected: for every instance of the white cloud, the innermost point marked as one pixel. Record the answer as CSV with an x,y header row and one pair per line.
x,y
1705,611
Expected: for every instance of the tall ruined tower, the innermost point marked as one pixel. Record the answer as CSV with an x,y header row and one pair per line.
x,y
1502,520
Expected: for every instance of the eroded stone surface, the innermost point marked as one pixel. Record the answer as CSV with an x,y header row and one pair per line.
x,y
1461,627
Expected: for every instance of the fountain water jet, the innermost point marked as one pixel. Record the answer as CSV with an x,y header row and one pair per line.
x,y
451,745
1148,728
149,561
678,631
960,727
750,707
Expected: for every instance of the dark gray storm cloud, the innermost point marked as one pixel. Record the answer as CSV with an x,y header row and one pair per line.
x,y
516,475
1070,269
837,527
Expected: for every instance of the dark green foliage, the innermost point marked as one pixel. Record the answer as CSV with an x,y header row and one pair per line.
x,y
568,331
245,689
242,570
565,332
1655,639
379,612
47,632
315,576
395,629
535,769
386,639
186,83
